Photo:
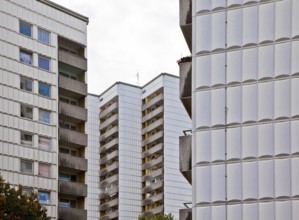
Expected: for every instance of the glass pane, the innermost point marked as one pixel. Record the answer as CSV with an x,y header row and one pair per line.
x,y
44,197
26,57
64,203
44,116
26,139
44,170
44,89
63,176
26,84
64,151
43,36
26,167
44,143
25,29
26,112
43,63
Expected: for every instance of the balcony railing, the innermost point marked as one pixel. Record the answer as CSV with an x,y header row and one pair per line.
x,y
108,110
71,162
152,175
186,83
153,199
109,180
108,157
153,101
72,213
152,126
152,138
152,163
104,193
109,121
72,59
72,138
73,113
152,187
155,113
71,87
109,204
109,145
110,215
186,21
109,168
154,211
72,188
186,157
108,133
152,150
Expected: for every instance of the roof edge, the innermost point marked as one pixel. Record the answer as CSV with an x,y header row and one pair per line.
x,y
65,10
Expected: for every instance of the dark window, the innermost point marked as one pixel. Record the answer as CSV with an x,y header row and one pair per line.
x,y
43,63
25,57
25,29
26,84
44,90
26,112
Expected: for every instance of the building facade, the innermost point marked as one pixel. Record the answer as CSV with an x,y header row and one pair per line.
x,y
42,118
244,108
139,159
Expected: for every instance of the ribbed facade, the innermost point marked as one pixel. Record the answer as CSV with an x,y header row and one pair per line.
x,y
37,43
245,110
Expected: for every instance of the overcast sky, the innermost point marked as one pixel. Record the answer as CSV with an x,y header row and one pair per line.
x,y
130,36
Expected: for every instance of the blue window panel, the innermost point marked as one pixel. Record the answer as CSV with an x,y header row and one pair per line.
x,y
44,36
44,197
44,90
25,29
43,63
25,57
44,116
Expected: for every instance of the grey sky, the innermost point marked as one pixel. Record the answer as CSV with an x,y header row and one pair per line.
x,y
130,36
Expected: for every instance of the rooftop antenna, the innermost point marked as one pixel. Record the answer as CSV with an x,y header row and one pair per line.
x,y
137,75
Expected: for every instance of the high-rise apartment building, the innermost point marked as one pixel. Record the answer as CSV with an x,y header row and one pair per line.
x,y
245,108
139,149
42,103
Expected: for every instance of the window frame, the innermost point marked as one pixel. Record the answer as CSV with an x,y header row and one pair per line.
x,y
23,140
27,107
48,200
24,171
40,30
44,148
41,119
25,52
45,85
44,58
24,81
29,25
45,165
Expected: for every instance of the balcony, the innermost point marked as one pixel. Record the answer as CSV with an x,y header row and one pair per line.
x,y
152,126
109,204
186,214
157,112
71,162
108,133
109,121
152,187
154,211
152,138
152,175
109,109
72,188
72,213
72,88
104,193
109,145
109,168
186,157
72,59
152,199
152,163
108,157
71,138
186,21
72,113
185,65
109,180
153,150
153,101
110,215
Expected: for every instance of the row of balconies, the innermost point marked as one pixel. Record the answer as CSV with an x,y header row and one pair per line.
x,y
152,175
152,187
108,133
109,180
109,168
156,149
111,109
107,205
109,121
108,157
153,138
156,100
155,113
153,199
152,126
105,192
109,145
152,163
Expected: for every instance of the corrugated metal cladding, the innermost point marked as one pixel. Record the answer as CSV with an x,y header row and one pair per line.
x,y
246,109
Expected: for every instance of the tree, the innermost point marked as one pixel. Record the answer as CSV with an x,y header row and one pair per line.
x,y
17,205
157,217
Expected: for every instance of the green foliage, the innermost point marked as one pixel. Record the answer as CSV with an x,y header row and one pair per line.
x,y
157,217
16,205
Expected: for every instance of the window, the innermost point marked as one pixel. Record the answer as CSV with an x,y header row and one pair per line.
x,y
27,166
44,197
43,63
25,29
67,203
44,170
44,89
44,143
44,116
26,84
26,112
68,151
67,177
25,57
26,139
43,36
